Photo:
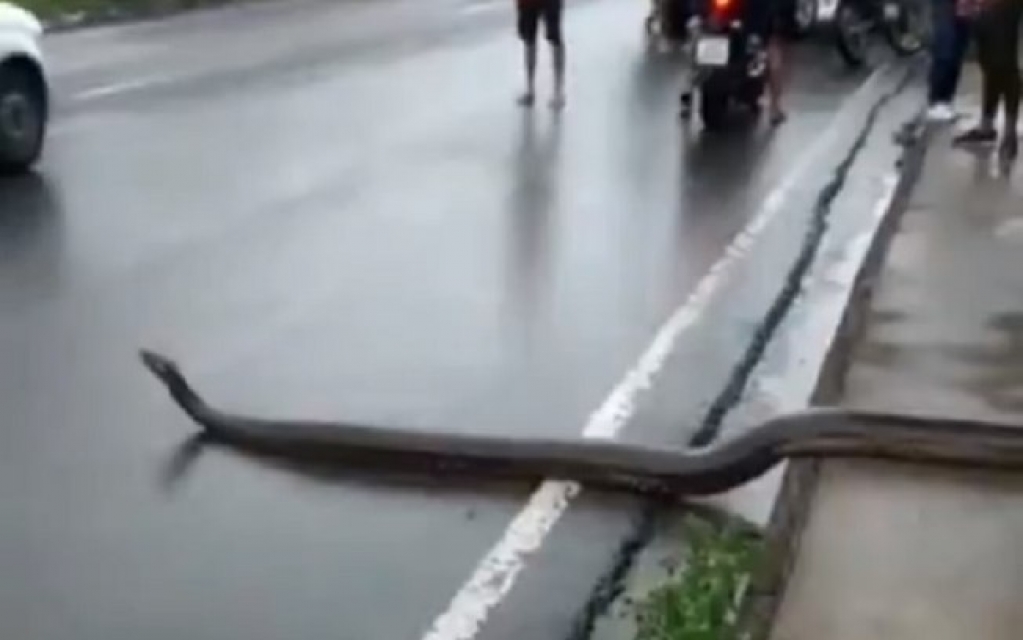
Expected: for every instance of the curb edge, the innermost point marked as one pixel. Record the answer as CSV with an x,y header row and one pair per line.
x,y
782,534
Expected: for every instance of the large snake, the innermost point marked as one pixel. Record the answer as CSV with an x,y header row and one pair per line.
x,y
817,433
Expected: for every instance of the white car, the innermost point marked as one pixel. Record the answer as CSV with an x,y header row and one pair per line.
x,y
24,90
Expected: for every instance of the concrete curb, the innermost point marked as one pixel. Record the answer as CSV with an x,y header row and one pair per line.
x,y
788,517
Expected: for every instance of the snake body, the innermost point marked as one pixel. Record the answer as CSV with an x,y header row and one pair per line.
x,y
733,461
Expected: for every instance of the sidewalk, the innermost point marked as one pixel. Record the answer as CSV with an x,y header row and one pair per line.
x,y
897,552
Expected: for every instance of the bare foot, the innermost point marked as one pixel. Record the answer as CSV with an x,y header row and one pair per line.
x,y
558,100
526,99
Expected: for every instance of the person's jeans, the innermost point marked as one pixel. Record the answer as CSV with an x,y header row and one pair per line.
x,y
951,36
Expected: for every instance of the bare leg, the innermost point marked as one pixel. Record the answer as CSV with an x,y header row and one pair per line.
x,y
688,89
688,78
558,62
529,59
775,80
552,14
652,20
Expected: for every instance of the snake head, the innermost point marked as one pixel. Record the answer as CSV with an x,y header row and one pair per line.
x,y
166,370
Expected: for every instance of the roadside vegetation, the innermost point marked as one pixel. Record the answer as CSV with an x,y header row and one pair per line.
x,y
701,602
88,10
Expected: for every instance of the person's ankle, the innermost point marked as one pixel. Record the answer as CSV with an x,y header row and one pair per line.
x,y
558,98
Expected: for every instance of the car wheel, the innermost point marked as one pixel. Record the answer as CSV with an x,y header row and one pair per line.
x,y
906,32
22,118
851,35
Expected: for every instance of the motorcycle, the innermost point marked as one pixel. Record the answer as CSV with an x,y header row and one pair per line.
x,y
901,23
728,64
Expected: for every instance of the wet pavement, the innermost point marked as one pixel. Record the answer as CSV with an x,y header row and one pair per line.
x,y
335,210
900,551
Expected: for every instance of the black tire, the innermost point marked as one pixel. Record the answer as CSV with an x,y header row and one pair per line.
x,y
852,45
907,34
22,117
714,106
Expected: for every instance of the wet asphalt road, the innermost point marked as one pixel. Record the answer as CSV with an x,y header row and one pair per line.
x,y
335,210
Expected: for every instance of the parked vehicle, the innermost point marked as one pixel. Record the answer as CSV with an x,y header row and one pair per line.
x,y
901,23
24,90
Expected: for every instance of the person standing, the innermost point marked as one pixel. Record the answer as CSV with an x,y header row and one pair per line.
x,y
951,31
997,30
530,14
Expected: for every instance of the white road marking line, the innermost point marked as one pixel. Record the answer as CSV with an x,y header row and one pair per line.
x,y
116,88
497,571
478,7
1011,230
105,91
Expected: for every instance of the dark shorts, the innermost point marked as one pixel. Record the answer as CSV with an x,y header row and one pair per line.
x,y
533,12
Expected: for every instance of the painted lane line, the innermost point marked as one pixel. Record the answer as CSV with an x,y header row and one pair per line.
x,y
1011,230
475,7
497,571
105,91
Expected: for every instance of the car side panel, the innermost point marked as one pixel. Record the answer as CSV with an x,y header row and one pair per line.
x,y
19,34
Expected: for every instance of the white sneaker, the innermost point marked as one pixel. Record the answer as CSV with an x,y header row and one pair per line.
x,y
941,112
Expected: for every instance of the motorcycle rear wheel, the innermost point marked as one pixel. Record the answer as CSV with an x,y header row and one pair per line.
x,y
714,104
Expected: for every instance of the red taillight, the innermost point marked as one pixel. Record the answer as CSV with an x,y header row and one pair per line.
x,y
721,11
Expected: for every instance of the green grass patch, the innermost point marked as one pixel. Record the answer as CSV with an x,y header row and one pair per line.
x,y
702,601
51,9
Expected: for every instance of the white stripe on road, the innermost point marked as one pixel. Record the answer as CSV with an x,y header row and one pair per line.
x,y
496,573
475,6
108,90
